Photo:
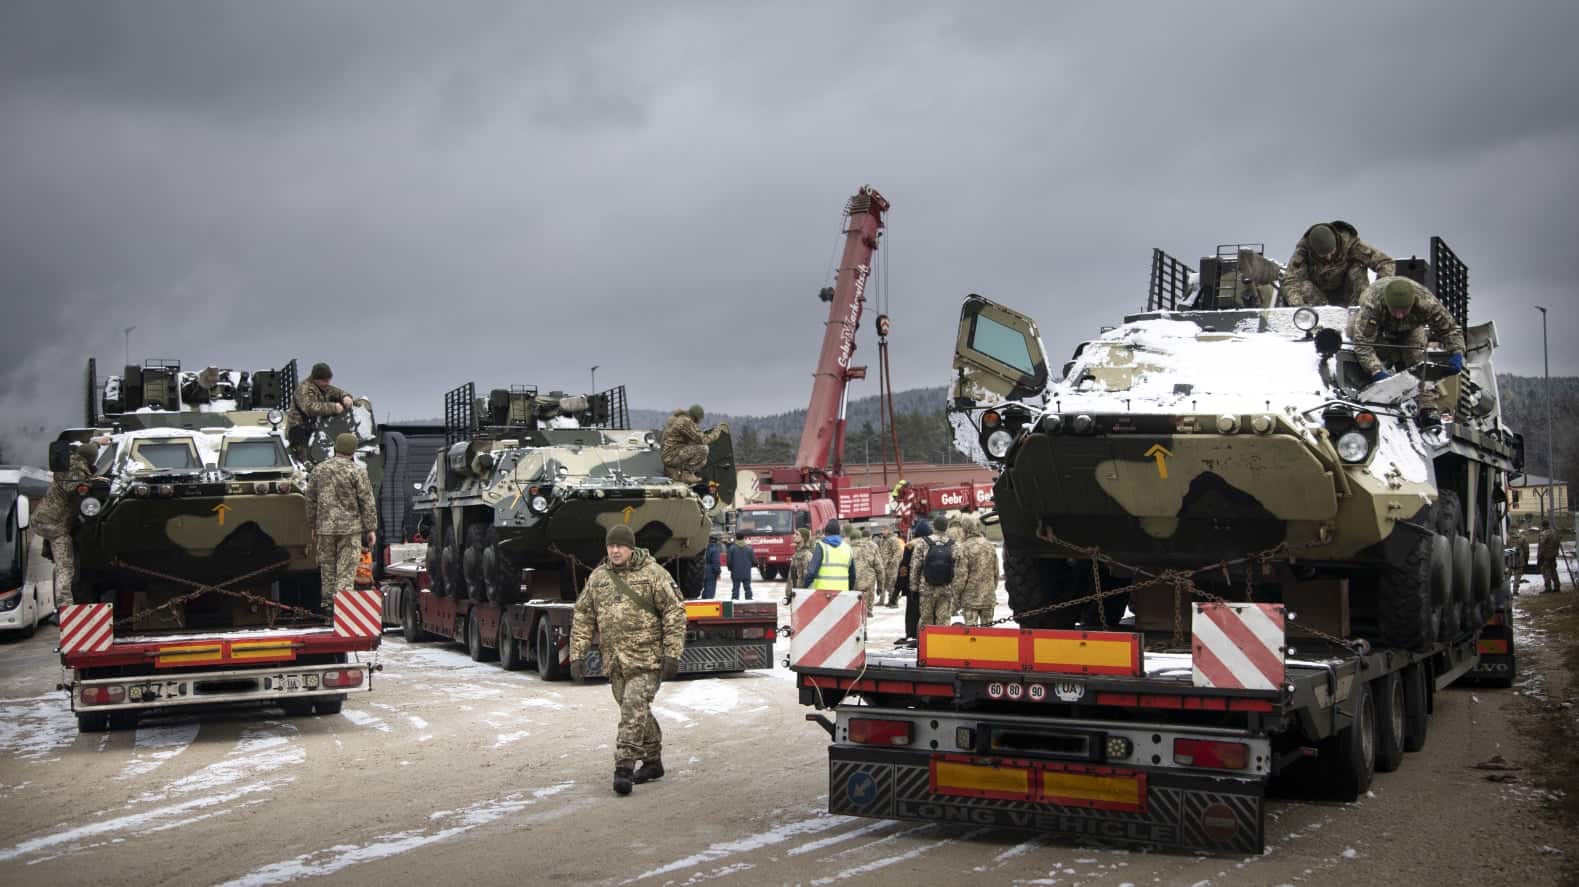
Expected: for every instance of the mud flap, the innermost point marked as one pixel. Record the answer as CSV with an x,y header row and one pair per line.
x,y
1179,811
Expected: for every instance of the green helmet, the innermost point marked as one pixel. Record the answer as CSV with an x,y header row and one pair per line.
x,y
1323,240
695,412
345,443
1399,294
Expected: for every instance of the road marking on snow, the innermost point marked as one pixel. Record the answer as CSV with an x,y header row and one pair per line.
x,y
458,822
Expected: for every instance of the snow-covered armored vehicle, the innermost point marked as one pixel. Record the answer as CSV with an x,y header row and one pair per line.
x,y
1243,448
196,487
528,484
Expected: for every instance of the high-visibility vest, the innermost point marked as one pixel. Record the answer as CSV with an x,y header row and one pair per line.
x,y
833,573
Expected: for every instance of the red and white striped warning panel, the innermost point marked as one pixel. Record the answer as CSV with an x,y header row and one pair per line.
x,y
358,614
828,629
1237,646
86,628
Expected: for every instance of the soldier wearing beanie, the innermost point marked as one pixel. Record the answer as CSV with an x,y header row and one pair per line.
x,y
340,511
314,398
634,607
1328,266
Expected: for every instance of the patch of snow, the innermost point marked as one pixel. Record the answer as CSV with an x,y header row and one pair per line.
x,y
364,719
1350,853
504,739
725,849
32,729
260,750
155,745
417,722
876,864
820,843
710,696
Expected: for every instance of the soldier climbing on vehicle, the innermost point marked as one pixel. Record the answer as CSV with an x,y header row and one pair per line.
x,y
314,398
1328,266
684,444
1396,320
53,519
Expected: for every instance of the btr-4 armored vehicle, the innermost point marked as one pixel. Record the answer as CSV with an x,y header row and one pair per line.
x,y
1240,443
528,485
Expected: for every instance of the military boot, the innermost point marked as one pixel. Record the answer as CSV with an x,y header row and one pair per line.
x,y
690,478
622,780
648,771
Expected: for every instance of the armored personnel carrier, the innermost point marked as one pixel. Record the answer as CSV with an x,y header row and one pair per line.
x,y
1239,443
528,484
197,487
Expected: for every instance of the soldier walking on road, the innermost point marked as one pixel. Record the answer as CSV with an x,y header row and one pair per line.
x,y
1328,266
683,447
634,607
314,398
889,551
1546,557
936,575
53,519
865,567
979,598
340,511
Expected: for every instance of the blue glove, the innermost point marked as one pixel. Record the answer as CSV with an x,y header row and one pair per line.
x,y
1380,375
1456,362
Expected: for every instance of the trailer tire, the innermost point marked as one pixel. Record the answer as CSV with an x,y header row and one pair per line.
x,y
1347,760
329,705
1391,721
1417,706
474,645
509,648
93,721
1404,599
296,708
548,667
410,620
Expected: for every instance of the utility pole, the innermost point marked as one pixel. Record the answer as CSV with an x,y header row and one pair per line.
x,y
595,378
128,333
1550,502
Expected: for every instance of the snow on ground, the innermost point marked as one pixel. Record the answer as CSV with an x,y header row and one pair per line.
x,y
261,749
35,728
156,744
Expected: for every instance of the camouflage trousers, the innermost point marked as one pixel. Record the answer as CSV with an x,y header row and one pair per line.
x,y
639,738
681,461
1549,576
338,556
936,609
869,594
978,615
886,574
65,557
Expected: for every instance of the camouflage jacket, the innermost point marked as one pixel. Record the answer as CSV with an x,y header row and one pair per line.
x,y
633,635
1546,548
1307,279
340,498
889,551
918,560
53,517
310,400
980,562
680,430
865,565
1374,324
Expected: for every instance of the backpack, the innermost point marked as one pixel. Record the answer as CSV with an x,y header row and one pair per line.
x,y
938,568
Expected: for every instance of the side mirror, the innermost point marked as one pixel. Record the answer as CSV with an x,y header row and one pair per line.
x,y
22,509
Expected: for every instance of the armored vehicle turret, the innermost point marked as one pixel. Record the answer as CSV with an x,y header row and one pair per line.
x,y
529,483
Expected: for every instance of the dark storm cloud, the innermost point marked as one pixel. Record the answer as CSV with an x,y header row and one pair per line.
x,y
510,192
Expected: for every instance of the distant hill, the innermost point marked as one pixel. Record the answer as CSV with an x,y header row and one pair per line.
x,y
1524,410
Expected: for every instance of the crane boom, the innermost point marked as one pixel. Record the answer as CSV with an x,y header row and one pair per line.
x,y
822,440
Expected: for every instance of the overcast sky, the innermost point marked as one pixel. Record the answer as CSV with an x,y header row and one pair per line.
x,y
427,194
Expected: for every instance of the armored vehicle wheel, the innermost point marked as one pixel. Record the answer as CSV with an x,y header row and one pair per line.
x,y
1030,586
329,705
1346,761
509,648
471,561
1480,587
1417,706
691,573
450,562
548,666
1404,599
435,564
1499,569
1390,721
410,618
503,588
474,645
1463,566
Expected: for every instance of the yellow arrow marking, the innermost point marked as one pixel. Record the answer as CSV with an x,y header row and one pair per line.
x,y
220,510
1161,454
628,511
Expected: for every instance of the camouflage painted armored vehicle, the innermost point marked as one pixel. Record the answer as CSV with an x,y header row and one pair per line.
x,y
1244,448
196,487
529,483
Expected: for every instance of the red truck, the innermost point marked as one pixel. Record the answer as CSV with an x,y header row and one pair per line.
x,y
770,528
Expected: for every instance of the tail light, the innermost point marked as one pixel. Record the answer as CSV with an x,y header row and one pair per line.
x,y
103,695
1211,754
347,678
878,731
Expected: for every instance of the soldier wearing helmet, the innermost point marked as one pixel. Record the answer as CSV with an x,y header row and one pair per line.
x,y
1328,266
683,447
1396,319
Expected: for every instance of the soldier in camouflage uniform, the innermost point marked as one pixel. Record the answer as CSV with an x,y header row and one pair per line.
x,y
889,551
1328,266
801,559
340,511
633,606
683,446
52,520
979,558
938,603
1546,557
314,398
865,567
1396,319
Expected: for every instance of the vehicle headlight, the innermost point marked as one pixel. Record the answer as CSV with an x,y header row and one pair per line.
x,y
708,501
1353,447
539,504
998,443
89,507
275,417
1305,319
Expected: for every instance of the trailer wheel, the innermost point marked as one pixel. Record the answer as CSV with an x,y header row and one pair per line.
x,y
509,648
329,705
296,708
123,720
1347,760
1391,715
1404,599
410,620
474,646
93,722
548,667
1417,706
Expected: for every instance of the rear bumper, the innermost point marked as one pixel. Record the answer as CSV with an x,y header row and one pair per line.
x,y
276,684
1180,812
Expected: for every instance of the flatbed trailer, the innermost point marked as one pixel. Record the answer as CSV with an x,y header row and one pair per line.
x,y
1142,757
720,636
114,678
